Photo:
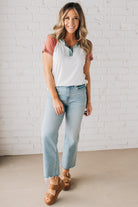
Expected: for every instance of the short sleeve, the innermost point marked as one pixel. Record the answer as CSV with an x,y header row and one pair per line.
x,y
91,56
49,45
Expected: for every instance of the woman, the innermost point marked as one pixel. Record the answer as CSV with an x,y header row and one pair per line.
x,y
67,56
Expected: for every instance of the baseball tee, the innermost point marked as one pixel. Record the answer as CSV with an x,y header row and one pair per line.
x,y
68,62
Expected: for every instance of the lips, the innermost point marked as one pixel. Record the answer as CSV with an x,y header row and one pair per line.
x,y
71,27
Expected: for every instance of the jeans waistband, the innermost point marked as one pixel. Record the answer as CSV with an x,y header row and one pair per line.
x,y
73,86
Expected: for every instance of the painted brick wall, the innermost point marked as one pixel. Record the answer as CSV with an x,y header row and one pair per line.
x,y
113,29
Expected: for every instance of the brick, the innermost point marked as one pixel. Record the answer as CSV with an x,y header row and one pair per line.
x,y
112,27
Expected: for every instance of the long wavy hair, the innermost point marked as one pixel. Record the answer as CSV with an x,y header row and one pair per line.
x,y
81,32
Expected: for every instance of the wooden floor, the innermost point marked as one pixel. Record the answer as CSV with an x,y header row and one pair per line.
x,y
99,179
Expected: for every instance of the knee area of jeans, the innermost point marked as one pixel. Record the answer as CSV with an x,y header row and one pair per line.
x,y
73,143
48,136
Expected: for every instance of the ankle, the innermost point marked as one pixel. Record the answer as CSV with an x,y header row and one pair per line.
x,y
54,179
65,170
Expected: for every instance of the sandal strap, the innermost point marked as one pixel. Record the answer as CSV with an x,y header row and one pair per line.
x,y
50,196
66,174
66,177
54,186
67,180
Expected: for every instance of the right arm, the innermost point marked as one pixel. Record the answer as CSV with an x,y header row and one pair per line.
x,y
47,65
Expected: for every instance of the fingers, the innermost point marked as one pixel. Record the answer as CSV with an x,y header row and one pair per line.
x,y
59,109
58,106
87,112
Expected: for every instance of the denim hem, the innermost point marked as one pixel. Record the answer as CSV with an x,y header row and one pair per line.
x,y
45,178
68,167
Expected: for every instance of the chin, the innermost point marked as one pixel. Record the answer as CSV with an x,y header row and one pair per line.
x,y
69,31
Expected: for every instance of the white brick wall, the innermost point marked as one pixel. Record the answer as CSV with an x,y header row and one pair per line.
x,y
113,29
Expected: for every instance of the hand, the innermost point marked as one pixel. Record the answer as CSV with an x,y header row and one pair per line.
x,y
58,106
88,110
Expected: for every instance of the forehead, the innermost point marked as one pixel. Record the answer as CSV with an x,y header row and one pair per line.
x,y
71,12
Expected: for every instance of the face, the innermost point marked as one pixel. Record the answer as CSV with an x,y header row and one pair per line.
x,y
71,21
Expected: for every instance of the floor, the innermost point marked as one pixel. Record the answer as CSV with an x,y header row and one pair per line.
x,y
100,179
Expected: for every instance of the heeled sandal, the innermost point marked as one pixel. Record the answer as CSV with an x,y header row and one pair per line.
x,y
50,198
66,177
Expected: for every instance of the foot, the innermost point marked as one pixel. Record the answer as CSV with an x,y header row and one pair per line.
x,y
54,181
54,189
66,177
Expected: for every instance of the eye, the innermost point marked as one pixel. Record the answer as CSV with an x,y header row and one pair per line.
x,y
75,18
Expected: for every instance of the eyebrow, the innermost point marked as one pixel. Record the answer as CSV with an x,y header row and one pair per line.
x,y
74,16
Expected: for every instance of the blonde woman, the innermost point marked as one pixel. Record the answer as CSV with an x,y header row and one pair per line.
x,y
67,56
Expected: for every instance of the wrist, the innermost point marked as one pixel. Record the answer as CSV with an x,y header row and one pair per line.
x,y
55,98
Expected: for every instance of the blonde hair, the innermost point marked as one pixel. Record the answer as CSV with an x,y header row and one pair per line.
x,y
81,32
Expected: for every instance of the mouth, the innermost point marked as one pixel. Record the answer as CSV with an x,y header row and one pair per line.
x,y
71,27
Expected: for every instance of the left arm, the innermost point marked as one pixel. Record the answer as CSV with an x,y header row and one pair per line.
x,y
88,88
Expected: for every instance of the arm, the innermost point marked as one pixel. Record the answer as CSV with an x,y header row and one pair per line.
x,y
47,65
87,77
88,86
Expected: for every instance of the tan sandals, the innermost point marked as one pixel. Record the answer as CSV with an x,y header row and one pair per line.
x,y
64,183
66,177
51,198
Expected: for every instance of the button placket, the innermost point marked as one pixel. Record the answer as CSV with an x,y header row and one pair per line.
x,y
70,49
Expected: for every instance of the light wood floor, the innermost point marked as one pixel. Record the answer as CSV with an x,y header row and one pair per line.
x,y
99,179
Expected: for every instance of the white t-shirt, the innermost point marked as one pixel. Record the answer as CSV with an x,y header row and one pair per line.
x,y
68,62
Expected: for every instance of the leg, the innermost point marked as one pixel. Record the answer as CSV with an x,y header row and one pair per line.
x,y
74,115
49,136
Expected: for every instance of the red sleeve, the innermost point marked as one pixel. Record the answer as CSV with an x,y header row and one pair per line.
x,y
49,45
91,54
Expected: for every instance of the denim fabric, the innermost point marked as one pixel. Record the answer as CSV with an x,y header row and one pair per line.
x,y
74,99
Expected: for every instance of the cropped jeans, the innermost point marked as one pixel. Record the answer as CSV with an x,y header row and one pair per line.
x,y
74,100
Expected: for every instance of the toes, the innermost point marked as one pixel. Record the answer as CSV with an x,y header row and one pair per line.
x,y
46,198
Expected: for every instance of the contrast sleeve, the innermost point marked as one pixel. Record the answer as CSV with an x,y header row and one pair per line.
x,y
49,45
91,54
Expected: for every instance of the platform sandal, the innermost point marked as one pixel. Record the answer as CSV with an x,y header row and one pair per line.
x,y
50,198
66,177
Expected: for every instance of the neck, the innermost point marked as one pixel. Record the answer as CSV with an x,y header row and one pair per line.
x,y
70,37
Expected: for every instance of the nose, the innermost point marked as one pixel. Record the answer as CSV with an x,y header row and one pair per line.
x,y
71,21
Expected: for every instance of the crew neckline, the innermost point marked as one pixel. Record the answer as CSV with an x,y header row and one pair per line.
x,y
68,46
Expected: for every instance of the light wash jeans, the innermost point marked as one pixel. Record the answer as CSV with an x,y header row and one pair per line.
x,y
74,99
